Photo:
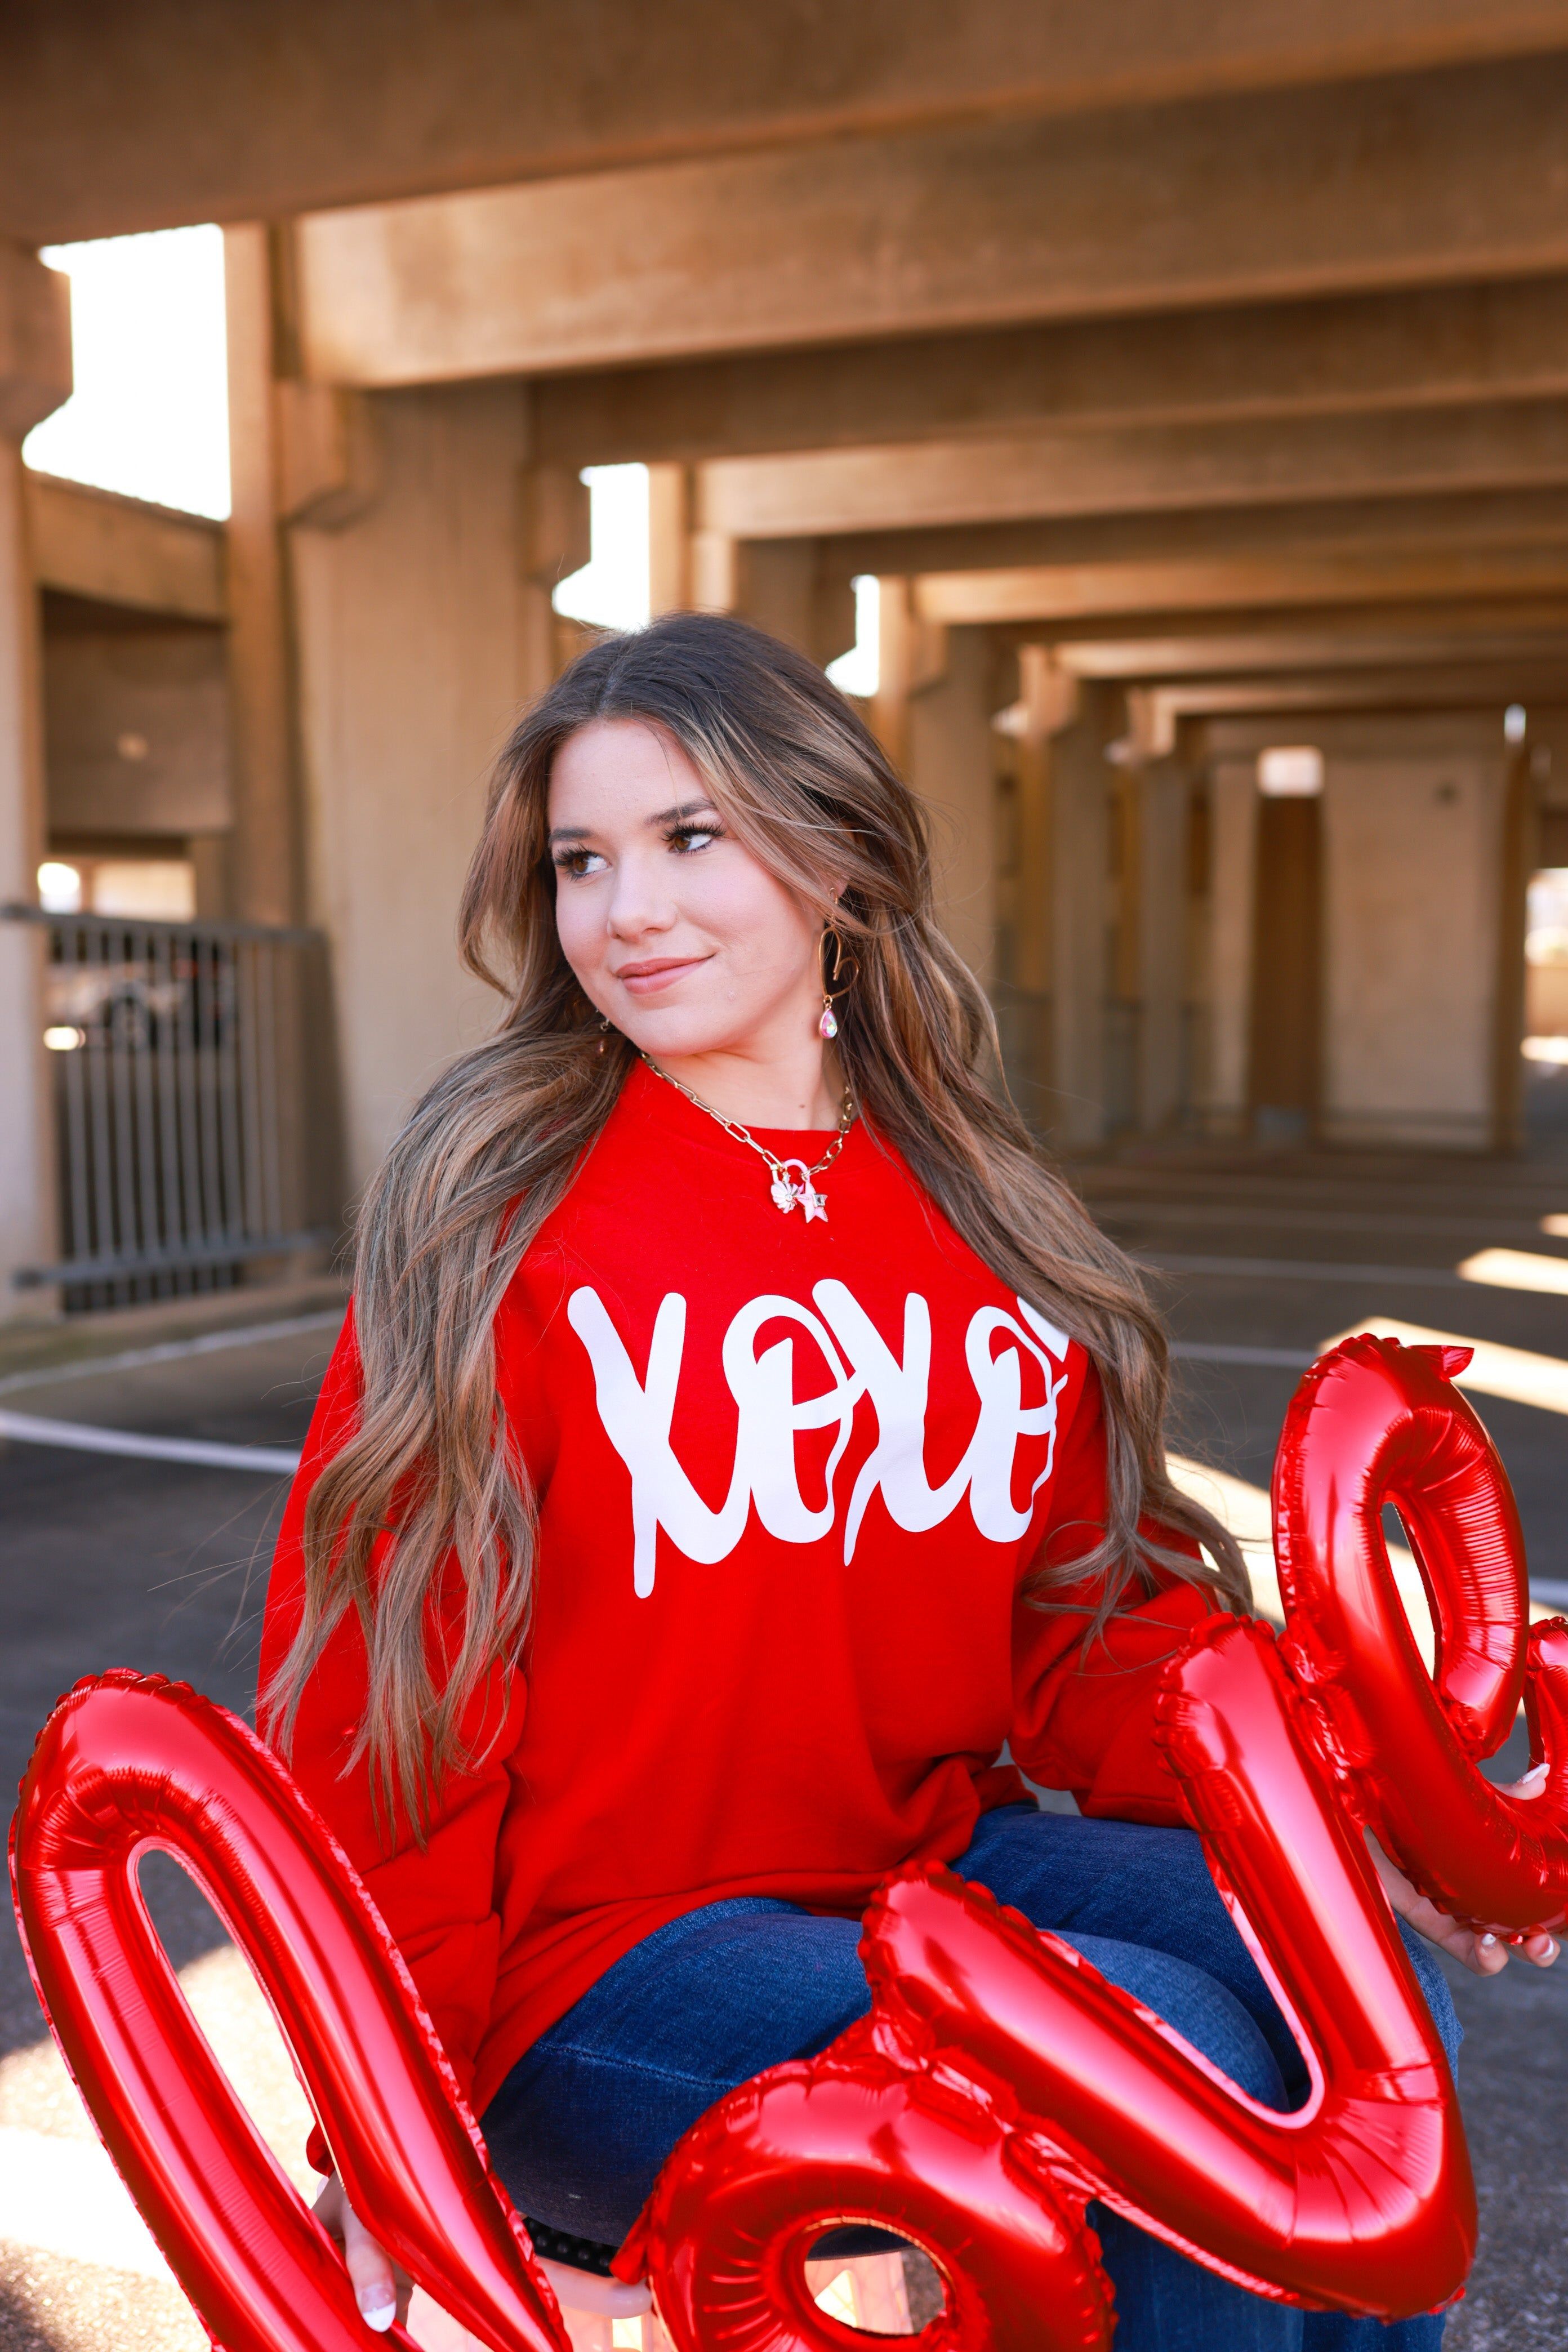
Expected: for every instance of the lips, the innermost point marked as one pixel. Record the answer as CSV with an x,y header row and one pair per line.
x,y
647,979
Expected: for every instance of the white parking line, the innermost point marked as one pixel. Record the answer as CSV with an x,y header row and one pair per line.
x,y
83,1438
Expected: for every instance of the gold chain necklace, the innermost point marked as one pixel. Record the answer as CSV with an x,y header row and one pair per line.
x,y
788,1192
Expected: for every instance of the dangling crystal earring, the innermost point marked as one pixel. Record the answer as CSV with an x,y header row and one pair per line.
x,y
835,984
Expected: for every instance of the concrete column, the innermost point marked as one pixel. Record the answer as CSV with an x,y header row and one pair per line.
x,y
29,1214
34,378
949,763
1227,991
784,585
670,496
1162,788
416,639
693,565
1081,863
265,861
911,654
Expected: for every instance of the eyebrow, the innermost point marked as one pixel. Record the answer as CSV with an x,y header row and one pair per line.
x,y
660,816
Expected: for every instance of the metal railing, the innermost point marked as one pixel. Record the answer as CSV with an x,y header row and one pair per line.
x,y
195,1116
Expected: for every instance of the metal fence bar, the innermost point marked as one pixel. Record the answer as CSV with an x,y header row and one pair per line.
x,y
226,1074
75,1219
180,1051
170,1225
100,1236
275,1210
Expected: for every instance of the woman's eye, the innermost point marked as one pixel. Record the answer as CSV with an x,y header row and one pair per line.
x,y
689,837
578,862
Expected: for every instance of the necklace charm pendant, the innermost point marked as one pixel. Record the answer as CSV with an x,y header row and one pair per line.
x,y
813,1202
784,1194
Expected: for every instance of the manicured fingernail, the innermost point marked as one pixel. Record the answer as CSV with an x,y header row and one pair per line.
x,y
1487,1942
379,2315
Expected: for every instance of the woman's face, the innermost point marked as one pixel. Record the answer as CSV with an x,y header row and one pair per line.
x,y
672,927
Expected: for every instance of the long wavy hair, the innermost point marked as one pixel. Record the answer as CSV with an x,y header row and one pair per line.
x,y
424,1519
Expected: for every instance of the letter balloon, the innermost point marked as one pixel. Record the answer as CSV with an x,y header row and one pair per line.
x,y
129,1762
1010,2061
1372,1424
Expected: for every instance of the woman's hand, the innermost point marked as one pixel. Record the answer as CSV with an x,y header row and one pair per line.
x,y
1487,1951
380,2289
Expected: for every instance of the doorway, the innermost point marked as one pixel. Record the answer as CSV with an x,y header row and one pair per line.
x,y
1285,1057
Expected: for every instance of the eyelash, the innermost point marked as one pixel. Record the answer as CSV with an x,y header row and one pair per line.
x,y
696,837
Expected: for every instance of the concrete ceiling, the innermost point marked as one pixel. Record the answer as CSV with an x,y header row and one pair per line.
x,y
1442,177
115,118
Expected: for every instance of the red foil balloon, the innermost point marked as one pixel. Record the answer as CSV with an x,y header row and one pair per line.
x,y
866,2134
1360,2201
126,1763
1375,1423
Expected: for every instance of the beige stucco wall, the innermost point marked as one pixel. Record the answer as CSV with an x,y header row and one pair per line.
x,y
410,630
136,732
1411,885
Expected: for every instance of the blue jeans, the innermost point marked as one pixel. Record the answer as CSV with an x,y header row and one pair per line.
x,y
582,2123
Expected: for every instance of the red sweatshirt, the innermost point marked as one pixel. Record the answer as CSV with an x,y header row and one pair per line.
x,y
790,1477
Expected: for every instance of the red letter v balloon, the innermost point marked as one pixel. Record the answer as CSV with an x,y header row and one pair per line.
x,y
126,1763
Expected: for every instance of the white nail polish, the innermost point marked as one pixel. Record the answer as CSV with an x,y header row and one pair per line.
x,y
1487,1942
379,2315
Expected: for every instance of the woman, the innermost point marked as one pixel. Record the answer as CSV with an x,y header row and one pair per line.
x,y
739,1436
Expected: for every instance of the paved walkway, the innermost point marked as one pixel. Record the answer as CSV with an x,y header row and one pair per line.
x,y
162,1565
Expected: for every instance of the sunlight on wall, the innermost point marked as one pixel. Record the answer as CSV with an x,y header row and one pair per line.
x,y
611,591
150,412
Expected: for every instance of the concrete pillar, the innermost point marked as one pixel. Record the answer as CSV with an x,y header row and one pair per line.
x,y
28,1216
692,567
911,654
34,378
419,634
265,884
787,587
1080,863
1228,982
1163,789
950,762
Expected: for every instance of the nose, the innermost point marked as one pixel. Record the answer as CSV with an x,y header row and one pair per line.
x,y
640,899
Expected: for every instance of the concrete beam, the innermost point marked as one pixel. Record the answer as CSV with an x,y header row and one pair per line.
x,y
35,342
1076,592
1429,687
1281,461
1461,638
1476,518
1436,178
113,119
1411,348
125,552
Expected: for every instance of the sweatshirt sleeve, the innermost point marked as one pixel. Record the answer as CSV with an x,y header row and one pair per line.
x,y
1082,1707
438,1899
